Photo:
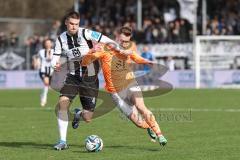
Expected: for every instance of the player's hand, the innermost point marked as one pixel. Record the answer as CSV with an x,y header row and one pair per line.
x,y
150,63
96,48
91,51
57,67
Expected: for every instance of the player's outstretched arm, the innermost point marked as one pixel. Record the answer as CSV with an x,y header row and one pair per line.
x,y
100,38
140,60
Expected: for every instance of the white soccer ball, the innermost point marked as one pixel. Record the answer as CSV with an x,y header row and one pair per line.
x,y
93,143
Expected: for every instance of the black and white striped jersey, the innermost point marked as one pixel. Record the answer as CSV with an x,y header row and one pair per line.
x,y
76,46
45,61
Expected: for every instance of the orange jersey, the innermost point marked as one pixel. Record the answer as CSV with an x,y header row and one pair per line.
x,y
116,68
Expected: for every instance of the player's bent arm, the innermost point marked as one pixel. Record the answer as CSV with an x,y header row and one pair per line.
x,y
57,54
100,38
90,57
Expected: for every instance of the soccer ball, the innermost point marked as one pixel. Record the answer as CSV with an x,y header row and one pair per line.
x,y
93,143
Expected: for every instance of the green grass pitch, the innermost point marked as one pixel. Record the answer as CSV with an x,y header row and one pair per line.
x,y
199,125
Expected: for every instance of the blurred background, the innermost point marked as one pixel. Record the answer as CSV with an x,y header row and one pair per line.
x,y
196,39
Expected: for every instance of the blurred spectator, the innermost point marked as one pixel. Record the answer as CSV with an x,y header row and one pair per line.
x,y
35,62
170,63
3,41
184,31
160,23
224,17
13,39
34,44
147,55
55,30
106,15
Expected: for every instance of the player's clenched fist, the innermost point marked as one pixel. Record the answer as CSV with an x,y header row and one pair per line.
x,y
57,67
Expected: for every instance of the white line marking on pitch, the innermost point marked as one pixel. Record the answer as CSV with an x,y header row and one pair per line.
x,y
152,109
198,109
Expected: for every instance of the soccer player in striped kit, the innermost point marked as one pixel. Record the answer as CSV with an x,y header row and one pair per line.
x,y
75,43
45,70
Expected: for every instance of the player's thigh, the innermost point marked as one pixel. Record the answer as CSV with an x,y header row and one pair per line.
x,y
136,97
41,75
122,105
139,103
46,80
88,93
70,87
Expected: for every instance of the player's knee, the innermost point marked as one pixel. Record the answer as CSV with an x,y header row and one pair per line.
x,y
63,98
147,114
134,118
87,116
46,83
138,124
88,120
63,102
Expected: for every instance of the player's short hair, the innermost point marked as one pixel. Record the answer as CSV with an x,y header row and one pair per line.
x,y
72,14
44,41
127,31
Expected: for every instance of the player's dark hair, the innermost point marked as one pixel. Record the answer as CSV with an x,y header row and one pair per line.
x,y
44,41
127,31
72,14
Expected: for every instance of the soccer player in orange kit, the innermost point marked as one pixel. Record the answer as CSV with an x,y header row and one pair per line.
x,y
121,83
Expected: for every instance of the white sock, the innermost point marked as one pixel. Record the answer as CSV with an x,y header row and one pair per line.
x,y
45,92
63,124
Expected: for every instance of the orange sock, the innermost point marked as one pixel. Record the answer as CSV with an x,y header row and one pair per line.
x,y
150,119
144,125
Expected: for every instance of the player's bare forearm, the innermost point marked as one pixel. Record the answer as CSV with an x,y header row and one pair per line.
x,y
140,60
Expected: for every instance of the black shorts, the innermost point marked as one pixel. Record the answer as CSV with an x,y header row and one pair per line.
x,y
43,75
86,88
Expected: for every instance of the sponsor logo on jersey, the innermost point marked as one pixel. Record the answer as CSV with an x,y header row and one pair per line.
x,y
95,35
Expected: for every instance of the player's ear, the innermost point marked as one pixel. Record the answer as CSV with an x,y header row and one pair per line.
x,y
66,21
